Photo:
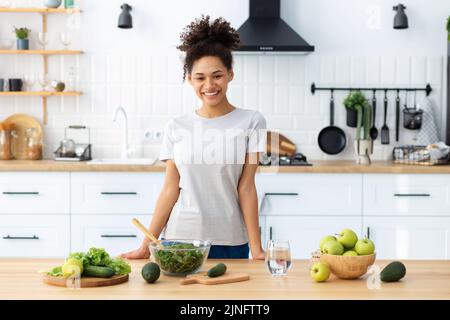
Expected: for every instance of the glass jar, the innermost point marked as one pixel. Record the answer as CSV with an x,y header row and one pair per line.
x,y
34,145
6,136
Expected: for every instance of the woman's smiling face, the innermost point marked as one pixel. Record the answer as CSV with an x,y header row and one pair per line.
x,y
210,79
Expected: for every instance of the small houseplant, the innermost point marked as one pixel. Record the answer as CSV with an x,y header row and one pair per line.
x,y
22,35
363,143
352,102
448,29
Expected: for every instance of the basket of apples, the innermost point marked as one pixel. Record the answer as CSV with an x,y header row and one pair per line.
x,y
344,255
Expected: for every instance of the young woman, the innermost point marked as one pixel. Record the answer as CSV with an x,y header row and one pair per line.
x,y
211,155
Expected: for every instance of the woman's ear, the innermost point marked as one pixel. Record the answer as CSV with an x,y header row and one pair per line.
x,y
230,75
189,78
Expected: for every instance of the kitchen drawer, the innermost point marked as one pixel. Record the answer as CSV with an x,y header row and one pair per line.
x,y
407,194
43,236
34,192
115,233
115,193
306,194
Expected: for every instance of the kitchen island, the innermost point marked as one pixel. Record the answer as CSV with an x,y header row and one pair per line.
x,y
425,279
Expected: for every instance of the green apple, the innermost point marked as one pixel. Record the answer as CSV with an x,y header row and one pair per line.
x,y
364,247
333,247
325,239
72,267
320,272
350,253
347,238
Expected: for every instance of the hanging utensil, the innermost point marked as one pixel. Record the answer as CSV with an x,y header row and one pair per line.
x,y
332,139
374,131
385,128
397,116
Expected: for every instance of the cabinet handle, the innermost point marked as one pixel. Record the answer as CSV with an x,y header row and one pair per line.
x,y
368,232
8,237
118,236
270,233
412,195
281,194
20,193
118,193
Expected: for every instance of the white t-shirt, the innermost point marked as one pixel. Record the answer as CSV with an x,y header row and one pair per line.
x,y
209,154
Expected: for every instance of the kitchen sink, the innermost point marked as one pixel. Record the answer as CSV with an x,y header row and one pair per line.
x,y
142,161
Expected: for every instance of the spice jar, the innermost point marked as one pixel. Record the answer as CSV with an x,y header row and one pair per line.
x,y
34,145
5,141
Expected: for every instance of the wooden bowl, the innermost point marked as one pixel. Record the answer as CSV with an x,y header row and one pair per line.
x,y
348,267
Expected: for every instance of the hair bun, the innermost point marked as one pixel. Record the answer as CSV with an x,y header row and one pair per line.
x,y
203,31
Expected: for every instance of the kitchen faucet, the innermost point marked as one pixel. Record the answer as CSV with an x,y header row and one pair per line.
x,y
125,131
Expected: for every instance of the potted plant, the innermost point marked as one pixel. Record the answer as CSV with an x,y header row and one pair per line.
x,y
22,38
448,29
363,144
352,102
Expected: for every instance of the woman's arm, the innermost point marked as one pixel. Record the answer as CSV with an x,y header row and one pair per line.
x,y
248,200
164,205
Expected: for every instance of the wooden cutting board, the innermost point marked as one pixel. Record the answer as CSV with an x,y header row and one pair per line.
x,y
85,282
202,278
284,147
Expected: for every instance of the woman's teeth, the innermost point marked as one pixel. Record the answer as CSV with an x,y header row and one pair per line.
x,y
211,93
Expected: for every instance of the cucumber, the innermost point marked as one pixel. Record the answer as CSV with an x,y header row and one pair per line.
x,y
98,272
394,271
218,270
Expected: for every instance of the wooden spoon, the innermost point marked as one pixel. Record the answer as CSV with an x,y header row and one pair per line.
x,y
145,231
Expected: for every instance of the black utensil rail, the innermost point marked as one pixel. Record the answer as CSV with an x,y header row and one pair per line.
x,y
427,89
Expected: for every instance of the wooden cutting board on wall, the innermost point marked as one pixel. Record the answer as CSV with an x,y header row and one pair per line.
x,y
285,147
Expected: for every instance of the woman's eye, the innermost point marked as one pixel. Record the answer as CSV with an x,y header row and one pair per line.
x,y
218,76
199,79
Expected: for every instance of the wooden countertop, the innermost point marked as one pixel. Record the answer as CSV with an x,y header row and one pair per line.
x,y
424,279
319,166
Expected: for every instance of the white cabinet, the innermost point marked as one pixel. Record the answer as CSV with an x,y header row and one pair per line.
x,y
304,233
306,194
409,237
115,193
115,233
43,236
407,194
34,192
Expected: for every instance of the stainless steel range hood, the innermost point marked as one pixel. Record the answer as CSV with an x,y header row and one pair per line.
x,y
265,31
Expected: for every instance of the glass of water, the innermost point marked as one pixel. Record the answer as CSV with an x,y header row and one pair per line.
x,y
278,257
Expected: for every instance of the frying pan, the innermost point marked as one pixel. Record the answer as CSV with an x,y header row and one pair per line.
x,y
332,139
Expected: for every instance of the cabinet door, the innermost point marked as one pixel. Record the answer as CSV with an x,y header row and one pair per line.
x,y
409,237
115,233
310,193
34,192
304,233
115,192
33,236
407,194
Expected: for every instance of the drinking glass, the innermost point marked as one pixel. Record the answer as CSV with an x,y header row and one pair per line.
x,y
278,257
29,80
43,39
44,81
66,39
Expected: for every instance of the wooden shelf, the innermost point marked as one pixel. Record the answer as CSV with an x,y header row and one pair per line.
x,y
40,93
42,52
40,10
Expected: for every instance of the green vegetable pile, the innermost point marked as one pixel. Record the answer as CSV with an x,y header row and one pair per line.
x,y
95,257
180,261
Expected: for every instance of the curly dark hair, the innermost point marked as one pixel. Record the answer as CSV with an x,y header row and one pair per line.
x,y
204,38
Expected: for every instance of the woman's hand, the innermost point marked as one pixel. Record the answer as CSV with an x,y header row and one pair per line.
x,y
258,254
142,253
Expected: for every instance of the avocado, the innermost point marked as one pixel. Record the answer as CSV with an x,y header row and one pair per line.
x,y
394,271
98,272
218,270
150,272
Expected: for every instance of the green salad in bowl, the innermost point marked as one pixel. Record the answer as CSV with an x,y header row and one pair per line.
x,y
180,257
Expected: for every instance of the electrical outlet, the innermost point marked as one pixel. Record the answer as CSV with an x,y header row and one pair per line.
x,y
151,135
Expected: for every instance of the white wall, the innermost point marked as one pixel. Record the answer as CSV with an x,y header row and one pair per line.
x,y
141,69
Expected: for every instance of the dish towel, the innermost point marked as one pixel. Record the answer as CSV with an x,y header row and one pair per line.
x,y
428,133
